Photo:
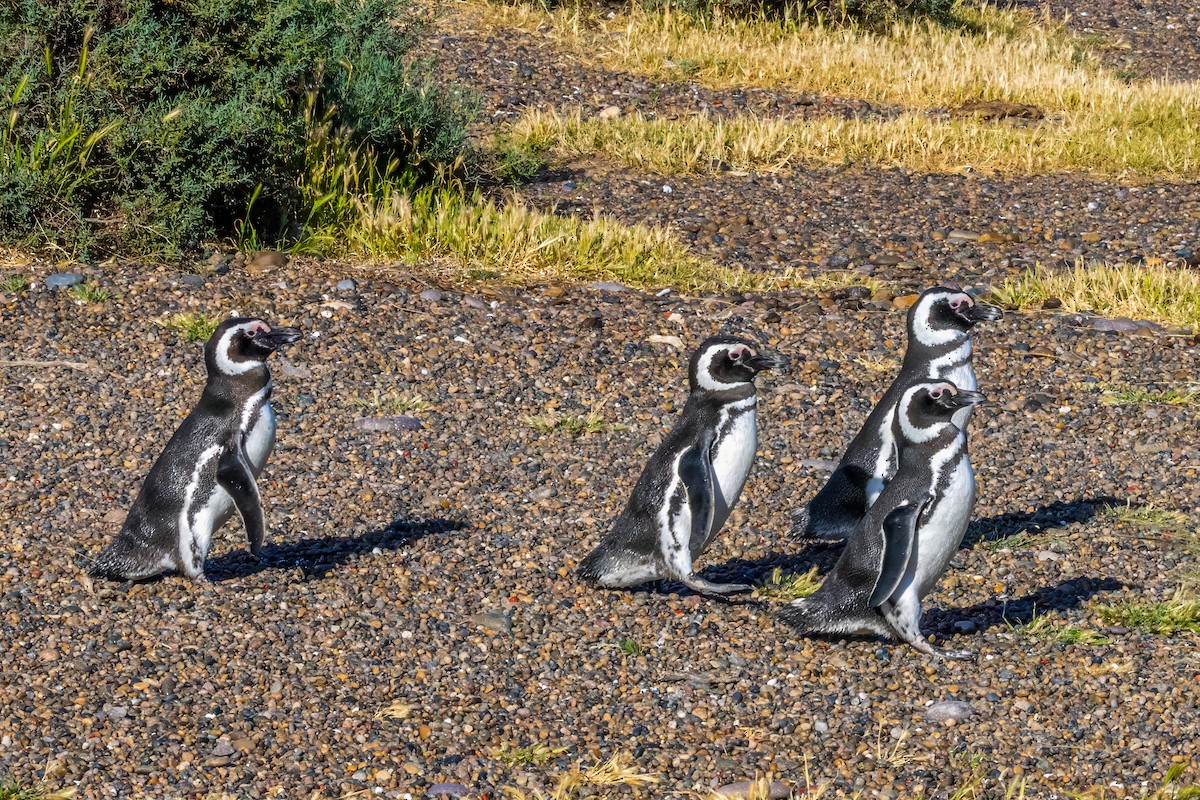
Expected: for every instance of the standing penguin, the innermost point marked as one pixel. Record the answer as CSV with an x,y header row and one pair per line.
x,y
694,478
908,536
939,349
209,466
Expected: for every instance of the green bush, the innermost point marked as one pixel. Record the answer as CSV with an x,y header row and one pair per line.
x,y
156,124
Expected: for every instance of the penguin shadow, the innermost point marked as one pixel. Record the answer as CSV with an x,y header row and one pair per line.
x,y
317,558
1061,597
1056,515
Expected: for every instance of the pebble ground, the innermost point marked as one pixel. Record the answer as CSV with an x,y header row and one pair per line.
x,y
414,610
414,619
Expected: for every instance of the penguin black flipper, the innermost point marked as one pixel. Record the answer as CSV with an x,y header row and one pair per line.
x,y
899,534
695,470
235,477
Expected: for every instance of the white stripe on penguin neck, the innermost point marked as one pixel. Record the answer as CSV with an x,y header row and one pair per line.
x,y
704,378
911,432
922,328
226,364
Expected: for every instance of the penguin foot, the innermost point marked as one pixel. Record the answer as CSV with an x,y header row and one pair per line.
x,y
955,655
698,584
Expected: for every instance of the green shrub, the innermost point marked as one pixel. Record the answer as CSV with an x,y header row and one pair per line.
x,y
152,123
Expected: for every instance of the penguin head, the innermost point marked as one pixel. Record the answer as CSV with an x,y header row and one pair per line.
x,y
242,344
721,363
926,408
943,312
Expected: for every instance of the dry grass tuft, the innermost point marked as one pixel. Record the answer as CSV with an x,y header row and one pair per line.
x,y
617,771
13,791
516,244
1158,293
1146,516
571,424
1097,121
1096,145
789,586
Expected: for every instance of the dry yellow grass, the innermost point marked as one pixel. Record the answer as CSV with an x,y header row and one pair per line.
x,y
1088,143
1003,55
1161,293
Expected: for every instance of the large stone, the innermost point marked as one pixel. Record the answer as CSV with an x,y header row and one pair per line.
x,y
63,280
956,710
776,790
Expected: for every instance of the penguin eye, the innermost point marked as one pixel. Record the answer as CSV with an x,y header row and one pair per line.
x,y
956,303
735,355
936,394
250,334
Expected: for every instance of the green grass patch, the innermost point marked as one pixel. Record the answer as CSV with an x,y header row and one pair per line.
x,y
571,424
13,284
534,754
390,402
10,790
193,327
1146,516
89,293
1179,614
1043,628
782,585
1157,292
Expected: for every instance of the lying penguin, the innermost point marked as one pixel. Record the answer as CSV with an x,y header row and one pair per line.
x,y
908,536
939,349
210,465
694,478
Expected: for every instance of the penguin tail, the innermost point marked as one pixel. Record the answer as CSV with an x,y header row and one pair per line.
x,y
799,614
593,567
116,563
802,523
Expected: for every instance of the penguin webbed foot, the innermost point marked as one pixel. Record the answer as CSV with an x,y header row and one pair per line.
x,y
698,584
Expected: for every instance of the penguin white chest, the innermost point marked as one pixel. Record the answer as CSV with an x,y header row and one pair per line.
x,y
940,535
260,437
258,428
732,456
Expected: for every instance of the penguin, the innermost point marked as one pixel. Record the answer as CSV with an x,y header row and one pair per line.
x,y
939,349
209,467
693,480
909,534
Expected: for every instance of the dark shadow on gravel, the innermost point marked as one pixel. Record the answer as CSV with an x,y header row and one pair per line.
x,y
1063,597
1056,515
316,558
822,555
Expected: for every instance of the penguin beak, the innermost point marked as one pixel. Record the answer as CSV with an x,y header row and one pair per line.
x,y
963,399
982,312
766,361
278,337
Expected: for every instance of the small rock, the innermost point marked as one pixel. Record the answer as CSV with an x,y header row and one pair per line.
x,y
821,727
1052,303
1122,324
217,761
956,710
609,112
964,626
776,791
48,655
493,620
63,280
264,261
608,286
990,237
447,790
544,493
432,295
291,370
673,341
474,302
118,713
382,424
346,285
188,279
963,236
223,748
819,463
1047,555
905,300
1117,630
997,109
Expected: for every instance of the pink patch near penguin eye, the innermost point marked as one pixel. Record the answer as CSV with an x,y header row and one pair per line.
x,y
257,328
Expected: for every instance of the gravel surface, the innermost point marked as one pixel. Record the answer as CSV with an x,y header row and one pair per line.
x,y
414,610
427,571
